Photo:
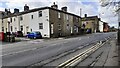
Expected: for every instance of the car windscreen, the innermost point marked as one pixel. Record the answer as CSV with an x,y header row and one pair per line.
x,y
38,33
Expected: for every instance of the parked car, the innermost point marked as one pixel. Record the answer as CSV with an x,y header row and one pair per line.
x,y
34,35
19,34
89,31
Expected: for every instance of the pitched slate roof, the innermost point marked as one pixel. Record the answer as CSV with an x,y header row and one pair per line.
x,y
89,18
37,9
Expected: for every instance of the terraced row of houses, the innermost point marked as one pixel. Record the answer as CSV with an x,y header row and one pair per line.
x,y
50,21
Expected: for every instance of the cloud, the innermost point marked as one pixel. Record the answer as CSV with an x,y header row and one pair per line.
x,y
91,7
108,15
1,9
73,6
49,0
0,4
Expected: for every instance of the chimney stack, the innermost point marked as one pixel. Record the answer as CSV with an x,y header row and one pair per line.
x,y
26,8
85,15
7,11
64,9
16,10
54,5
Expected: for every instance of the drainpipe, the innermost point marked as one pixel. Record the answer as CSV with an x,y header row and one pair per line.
x,y
18,23
8,26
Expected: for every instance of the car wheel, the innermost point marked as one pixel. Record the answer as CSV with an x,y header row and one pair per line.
x,y
27,37
34,37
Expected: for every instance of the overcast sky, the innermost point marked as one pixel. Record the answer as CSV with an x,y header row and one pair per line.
x,y
90,7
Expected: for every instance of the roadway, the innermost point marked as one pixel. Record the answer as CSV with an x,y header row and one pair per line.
x,y
39,52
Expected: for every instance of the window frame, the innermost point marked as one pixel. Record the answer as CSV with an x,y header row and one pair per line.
x,y
40,25
59,15
40,13
21,18
67,17
11,27
14,19
31,16
11,20
2,28
21,28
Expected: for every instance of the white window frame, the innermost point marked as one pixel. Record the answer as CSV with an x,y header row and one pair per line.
x,y
59,15
32,16
40,25
11,19
21,18
52,29
40,13
67,17
14,19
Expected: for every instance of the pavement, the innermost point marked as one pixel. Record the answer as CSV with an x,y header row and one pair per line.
x,y
113,54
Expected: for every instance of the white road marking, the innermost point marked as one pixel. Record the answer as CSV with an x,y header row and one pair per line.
x,y
53,44
64,42
18,52
80,47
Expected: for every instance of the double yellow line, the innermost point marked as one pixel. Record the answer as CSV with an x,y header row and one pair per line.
x,y
78,58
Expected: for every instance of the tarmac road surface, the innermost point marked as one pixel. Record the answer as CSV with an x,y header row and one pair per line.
x,y
29,53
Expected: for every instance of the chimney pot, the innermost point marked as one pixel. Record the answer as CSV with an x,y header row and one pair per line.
x,y
16,10
85,15
54,5
64,9
26,8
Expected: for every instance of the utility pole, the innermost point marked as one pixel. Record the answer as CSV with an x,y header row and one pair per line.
x,y
118,11
118,31
80,12
119,27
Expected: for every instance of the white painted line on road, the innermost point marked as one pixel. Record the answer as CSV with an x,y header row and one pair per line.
x,y
80,47
19,52
105,38
67,39
87,44
74,60
53,44
64,42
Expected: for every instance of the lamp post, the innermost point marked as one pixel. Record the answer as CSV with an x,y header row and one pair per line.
x,y
118,23
119,30
80,12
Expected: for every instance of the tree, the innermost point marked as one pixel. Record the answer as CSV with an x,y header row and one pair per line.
x,y
113,3
116,4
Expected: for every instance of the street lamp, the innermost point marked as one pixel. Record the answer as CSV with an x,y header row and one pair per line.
x,y
118,23
119,33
